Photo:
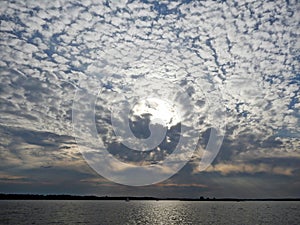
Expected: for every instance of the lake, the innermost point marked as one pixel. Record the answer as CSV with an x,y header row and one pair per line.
x,y
148,212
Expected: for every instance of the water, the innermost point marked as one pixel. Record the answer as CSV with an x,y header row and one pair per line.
x,y
148,212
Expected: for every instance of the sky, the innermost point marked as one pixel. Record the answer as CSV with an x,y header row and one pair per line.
x,y
222,69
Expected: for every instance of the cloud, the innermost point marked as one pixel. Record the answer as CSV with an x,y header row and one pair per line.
x,y
226,169
239,58
7,178
177,185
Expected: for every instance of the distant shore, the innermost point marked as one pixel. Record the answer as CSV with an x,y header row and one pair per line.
x,y
128,198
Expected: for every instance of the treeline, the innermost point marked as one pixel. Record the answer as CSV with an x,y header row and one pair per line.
x,y
125,198
67,197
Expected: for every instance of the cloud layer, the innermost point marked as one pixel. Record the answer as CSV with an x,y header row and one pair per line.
x,y
241,58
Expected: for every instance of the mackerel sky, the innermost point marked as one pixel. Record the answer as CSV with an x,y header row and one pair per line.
x,y
238,56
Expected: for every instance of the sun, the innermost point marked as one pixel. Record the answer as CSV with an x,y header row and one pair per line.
x,y
160,111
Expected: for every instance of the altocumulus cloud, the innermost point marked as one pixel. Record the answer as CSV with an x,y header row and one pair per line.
x,y
247,52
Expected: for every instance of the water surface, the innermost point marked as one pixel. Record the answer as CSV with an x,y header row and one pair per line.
x,y
71,212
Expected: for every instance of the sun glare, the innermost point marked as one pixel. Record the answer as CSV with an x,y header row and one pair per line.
x,y
161,111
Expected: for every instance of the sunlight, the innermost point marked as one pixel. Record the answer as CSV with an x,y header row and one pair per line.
x,y
161,111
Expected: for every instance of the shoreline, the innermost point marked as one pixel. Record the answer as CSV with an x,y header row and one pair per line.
x,y
130,198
